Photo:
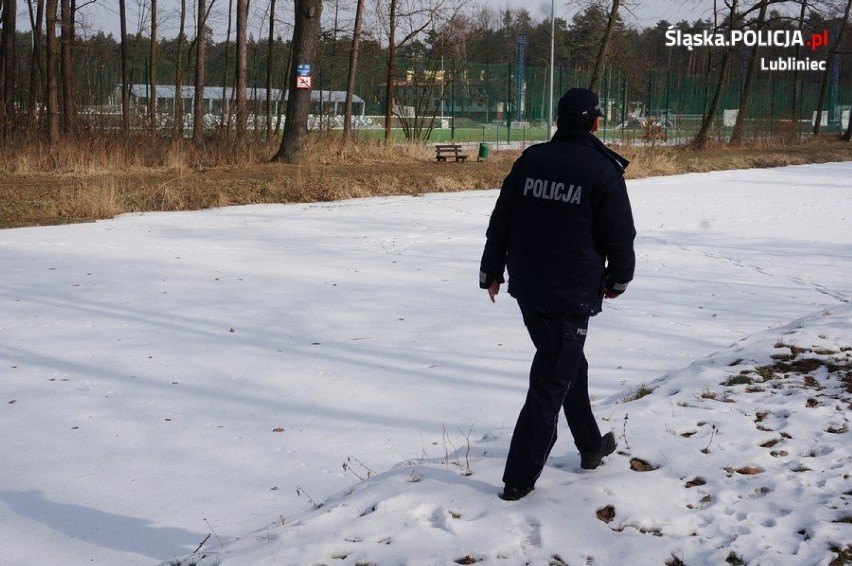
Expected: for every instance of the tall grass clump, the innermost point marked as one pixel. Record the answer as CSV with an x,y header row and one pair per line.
x,y
86,201
649,162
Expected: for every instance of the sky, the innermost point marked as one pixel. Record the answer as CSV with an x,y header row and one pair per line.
x,y
326,383
103,15
643,14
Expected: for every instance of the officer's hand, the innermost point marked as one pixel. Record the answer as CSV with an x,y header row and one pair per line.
x,y
613,288
493,290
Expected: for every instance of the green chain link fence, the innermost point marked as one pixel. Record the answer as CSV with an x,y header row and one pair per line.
x,y
481,103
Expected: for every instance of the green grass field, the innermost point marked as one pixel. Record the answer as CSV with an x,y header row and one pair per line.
x,y
489,134
496,136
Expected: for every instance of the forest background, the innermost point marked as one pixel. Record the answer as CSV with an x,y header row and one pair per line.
x,y
78,142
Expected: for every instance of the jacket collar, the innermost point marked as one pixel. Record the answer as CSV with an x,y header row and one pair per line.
x,y
591,140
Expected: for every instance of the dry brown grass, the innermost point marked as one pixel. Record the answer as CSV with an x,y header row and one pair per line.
x,y
95,199
90,178
664,160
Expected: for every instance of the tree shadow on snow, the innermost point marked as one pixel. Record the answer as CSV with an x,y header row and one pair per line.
x,y
107,530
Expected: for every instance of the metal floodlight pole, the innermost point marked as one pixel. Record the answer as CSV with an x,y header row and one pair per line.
x,y
550,93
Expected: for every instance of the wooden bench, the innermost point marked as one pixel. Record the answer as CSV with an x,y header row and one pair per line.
x,y
444,150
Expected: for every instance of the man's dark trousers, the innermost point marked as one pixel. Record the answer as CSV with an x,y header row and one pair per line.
x,y
558,380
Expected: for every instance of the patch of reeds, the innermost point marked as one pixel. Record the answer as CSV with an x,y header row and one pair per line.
x,y
105,153
92,176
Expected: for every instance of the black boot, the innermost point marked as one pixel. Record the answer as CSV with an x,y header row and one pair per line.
x,y
511,493
593,460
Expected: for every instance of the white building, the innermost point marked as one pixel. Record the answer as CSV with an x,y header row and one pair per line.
x,y
219,100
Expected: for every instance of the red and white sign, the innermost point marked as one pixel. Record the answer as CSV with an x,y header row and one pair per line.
x,y
303,82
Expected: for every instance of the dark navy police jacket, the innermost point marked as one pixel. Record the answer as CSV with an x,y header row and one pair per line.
x,y
563,226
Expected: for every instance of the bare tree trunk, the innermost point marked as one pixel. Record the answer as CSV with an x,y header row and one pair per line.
x,y
847,135
821,98
7,102
288,72
269,69
226,100
391,76
794,114
125,71
703,135
253,66
200,61
305,35
350,81
67,40
595,80
745,95
152,54
824,83
177,130
36,68
242,55
52,81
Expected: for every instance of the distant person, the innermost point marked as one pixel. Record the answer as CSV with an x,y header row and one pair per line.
x,y
564,228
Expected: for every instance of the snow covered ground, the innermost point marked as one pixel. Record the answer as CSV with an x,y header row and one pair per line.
x,y
326,384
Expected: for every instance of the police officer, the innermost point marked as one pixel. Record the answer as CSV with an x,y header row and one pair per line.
x,y
564,228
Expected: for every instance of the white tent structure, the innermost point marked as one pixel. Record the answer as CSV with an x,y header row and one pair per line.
x,y
219,100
